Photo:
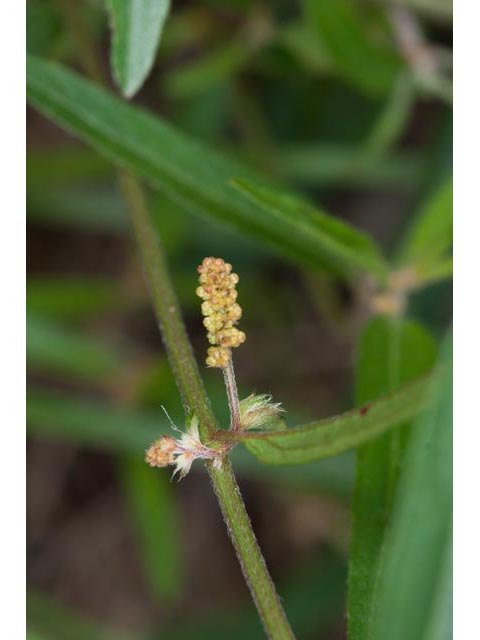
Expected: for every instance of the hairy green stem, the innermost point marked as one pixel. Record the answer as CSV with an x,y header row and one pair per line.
x,y
187,376
249,555
191,388
166,306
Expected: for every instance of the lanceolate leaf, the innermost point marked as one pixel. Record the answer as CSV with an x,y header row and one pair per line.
x,y
53,348
342,246
332,436
137,28
414,599
391,352
429,240
194,176
72,297
101,425
441,270
92,423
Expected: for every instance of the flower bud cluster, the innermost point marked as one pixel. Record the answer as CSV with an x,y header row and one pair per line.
x,y
182,452
162,452
259,412
218,292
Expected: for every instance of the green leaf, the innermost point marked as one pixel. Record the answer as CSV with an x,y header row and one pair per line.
x,y
137,27
391,352
94,208
362,58
54,349
414,595
103,426
332,476
340,246
153,509
301,41
72,298
193,176
314,165
43,27
429,240
329,437
393,118
441,270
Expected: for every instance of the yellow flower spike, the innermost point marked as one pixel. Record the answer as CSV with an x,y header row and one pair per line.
x,y
221,311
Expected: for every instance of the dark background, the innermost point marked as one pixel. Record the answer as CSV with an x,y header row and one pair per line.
x,y
115,550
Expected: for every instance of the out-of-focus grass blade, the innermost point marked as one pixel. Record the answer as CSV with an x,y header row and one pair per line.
x,y
341,247
73,186
441,270
429,240
192,175
318,165
332,436
43,27
302,43
369,65
137,27
156,521
391,352
414,599
92,423
54,349
50,621
152,507
71,298
393,118
95,208
332,476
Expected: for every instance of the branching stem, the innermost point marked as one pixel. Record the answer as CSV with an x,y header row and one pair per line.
x,y
191,388
190,383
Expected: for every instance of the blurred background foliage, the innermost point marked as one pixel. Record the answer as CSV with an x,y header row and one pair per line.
x,y
349,102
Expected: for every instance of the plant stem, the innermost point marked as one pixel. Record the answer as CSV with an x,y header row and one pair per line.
x,y
166,306
190,384
248,552
232,395
191,388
